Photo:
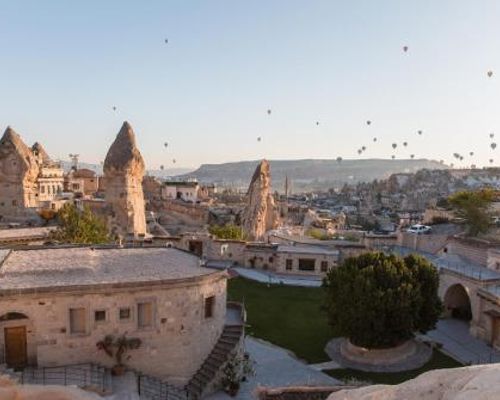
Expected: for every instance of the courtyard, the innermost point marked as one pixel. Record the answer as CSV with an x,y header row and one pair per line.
x,y
291,317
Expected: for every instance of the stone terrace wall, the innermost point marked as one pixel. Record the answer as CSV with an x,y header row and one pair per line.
x,y
193,211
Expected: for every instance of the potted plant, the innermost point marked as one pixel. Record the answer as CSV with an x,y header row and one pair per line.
x,y
236,371
117,347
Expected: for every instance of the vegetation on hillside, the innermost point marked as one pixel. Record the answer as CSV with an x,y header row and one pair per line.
x,y
379,300
228,231
80,227
474,208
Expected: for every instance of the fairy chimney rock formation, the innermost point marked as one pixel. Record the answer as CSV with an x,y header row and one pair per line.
x,y
260,214
18,173
123,173
40,154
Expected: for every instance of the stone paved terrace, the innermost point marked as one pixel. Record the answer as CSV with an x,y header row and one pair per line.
x,y
80,266
452,263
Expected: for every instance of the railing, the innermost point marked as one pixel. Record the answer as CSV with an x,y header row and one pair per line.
x,y
82,375
155,389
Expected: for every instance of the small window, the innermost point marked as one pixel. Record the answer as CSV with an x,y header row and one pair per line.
x,y
77,321
324,266
145,315
124,313
14,203
289,264
209,306
306,264
99,315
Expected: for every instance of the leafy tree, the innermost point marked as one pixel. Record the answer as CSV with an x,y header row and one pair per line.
x,y
379,300
473,208
80,227
228,231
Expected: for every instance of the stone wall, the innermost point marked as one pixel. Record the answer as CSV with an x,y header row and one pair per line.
x,y
173,349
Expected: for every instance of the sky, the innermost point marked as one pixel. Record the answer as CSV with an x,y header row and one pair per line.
x,y
64,65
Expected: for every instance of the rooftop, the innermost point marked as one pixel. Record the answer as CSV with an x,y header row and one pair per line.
x,y
313,250
83,266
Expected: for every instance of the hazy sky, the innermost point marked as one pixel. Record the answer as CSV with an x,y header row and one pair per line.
x,y
65,64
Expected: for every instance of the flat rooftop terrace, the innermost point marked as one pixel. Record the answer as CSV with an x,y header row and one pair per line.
x,y
82,266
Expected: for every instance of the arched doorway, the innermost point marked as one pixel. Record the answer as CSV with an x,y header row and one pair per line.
x,y
457,303
15,328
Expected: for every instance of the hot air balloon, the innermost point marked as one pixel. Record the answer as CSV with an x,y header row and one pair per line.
x,y
363,148
368,122
162,167
374,139
360,151
393,156
405,144
339,159
165,144
114,108
166,41
394,145
461,158
471,153
491,160
174,161
412,156
492,135
419,132
493,146
317,122
259,139
490,74
405,48
268,112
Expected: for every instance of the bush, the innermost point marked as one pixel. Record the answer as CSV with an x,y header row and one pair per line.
x,y
379,300
228,231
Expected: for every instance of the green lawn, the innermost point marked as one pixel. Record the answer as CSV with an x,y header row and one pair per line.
x,y
287,316
438,360
291,317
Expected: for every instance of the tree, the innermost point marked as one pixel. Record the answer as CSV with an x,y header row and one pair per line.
x,y
228,231
80,227
380,301
473,208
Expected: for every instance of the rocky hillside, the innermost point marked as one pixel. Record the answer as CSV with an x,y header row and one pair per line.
x,y
309,174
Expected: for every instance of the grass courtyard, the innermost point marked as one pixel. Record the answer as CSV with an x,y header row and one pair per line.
x,y
291,317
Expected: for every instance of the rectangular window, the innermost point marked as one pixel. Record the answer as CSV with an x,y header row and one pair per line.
x,y
125,313
145,315
99,315
324,266
209,306
289,264
77,321
306,264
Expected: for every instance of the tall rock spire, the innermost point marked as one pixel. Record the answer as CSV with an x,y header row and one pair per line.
x,y
18,173
260,213
123,174
40,154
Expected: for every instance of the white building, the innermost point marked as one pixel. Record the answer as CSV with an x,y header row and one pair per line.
x,y
185,190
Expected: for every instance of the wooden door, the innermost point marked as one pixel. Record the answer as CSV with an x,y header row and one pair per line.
x,y
15,346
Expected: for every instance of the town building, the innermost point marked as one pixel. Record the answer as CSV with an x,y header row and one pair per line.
x,y
56,304
181,190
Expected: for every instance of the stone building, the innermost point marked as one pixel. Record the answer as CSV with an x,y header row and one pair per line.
x,y
83,181
123,174
181,190
19,171
57,303
50,181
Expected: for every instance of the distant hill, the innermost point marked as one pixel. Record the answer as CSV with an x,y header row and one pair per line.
x,y
309,174
66,165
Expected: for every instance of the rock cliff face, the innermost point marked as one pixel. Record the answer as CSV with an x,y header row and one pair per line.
x,y
478,383
123,174
18,173
260,214
40,154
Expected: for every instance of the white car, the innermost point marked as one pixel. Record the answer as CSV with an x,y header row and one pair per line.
x,y
418,229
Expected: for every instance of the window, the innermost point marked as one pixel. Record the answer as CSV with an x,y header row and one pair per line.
x,y
77,321
306,264
124,313
42,189
209,306
289,264
14,203
145,315
99,315
324,266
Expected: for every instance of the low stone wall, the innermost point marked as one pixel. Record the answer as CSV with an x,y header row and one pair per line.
x,y
299,392
392,355
193,211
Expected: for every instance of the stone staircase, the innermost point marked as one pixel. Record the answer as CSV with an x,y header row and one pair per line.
x,y
227,343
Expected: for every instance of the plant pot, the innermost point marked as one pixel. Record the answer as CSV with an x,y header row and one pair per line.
x,y
233,389
118,370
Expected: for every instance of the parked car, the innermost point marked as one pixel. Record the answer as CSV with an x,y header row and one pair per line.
x,y
418,229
